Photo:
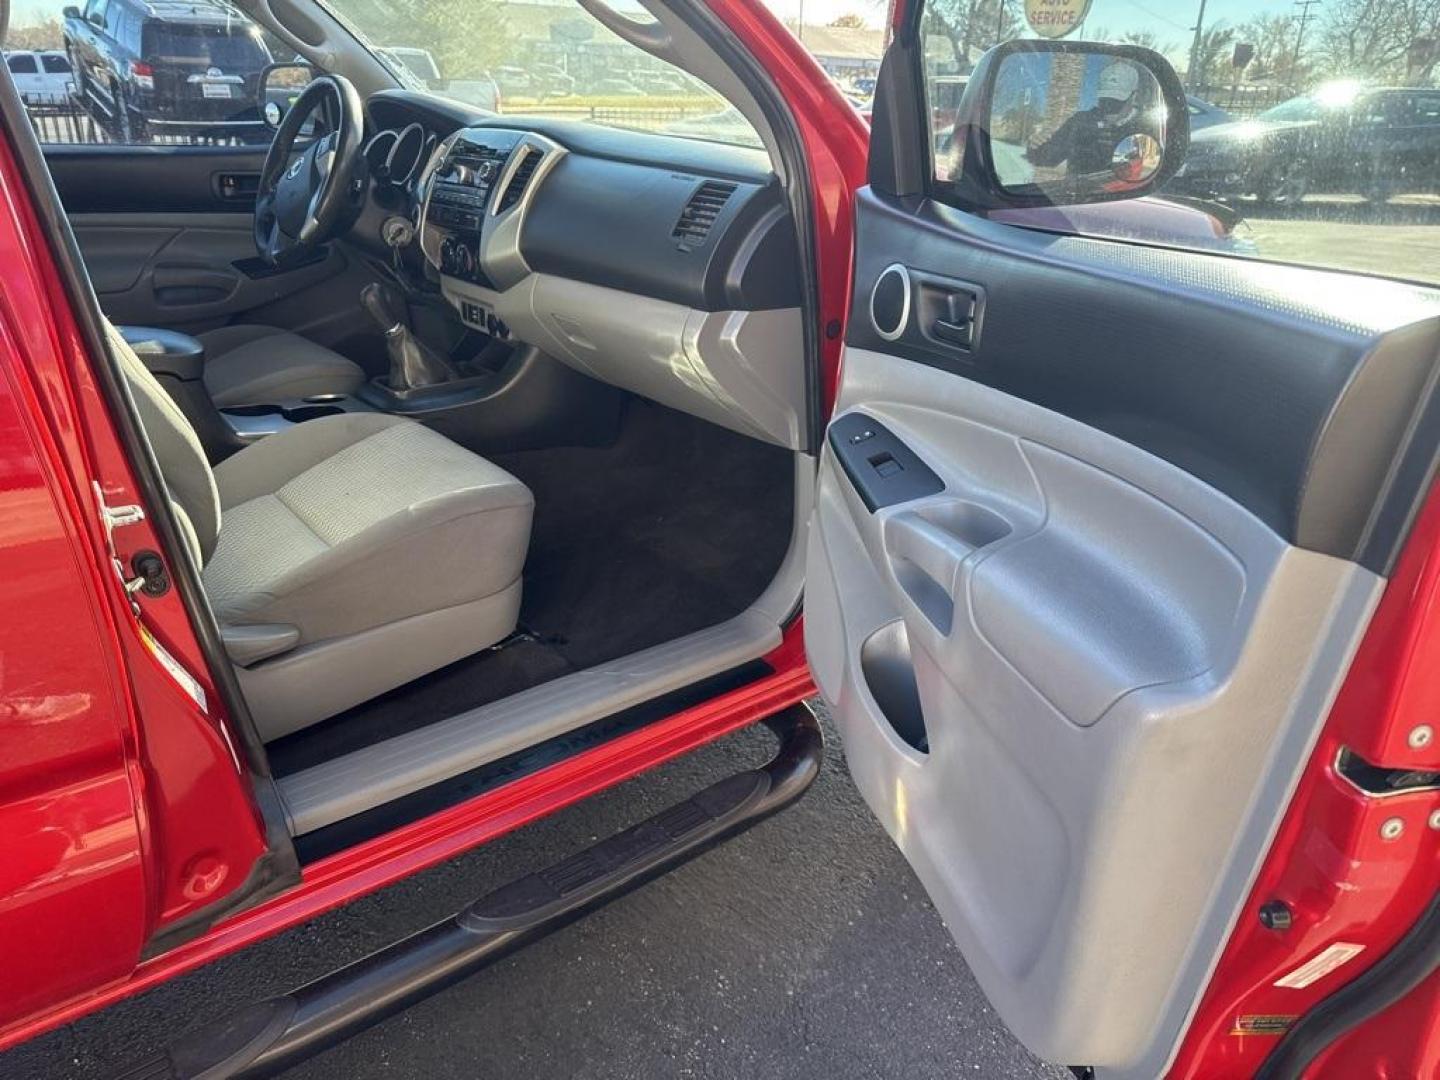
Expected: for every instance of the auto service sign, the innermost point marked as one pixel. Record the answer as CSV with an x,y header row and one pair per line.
x,y
1056,18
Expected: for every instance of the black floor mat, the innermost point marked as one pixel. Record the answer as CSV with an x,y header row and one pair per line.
x,y
677,526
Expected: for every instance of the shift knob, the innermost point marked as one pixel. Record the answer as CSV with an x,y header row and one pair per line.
x,y
413,364
383,308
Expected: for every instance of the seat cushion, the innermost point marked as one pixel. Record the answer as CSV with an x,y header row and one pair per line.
x,y
346,523
259,365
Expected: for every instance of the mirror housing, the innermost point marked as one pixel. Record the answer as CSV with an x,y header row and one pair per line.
x,y
70,11
279,86
1043,123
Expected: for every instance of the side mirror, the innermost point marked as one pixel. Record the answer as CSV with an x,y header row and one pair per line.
x,y
70,11
280,86
1055,123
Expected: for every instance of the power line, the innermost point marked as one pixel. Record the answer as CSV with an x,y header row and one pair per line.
x,y
1304,6
1156,15
1194,78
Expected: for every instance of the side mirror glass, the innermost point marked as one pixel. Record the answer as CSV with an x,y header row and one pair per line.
x,y
280,86
1050,123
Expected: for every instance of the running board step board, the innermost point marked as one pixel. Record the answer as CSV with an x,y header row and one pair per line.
x,y
274,1035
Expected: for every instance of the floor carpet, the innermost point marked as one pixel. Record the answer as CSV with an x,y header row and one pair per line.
x,y
676,526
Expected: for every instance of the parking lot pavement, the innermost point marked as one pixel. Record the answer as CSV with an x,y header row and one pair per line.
x,y
804,948
1401,239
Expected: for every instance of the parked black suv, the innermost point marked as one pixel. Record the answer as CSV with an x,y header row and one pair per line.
x,y
1341,139
154,68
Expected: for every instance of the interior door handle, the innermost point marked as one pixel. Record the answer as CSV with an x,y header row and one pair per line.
x,y
949,310
956,333
237,187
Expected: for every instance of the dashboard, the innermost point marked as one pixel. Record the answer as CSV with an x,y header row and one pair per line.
x,y
660,264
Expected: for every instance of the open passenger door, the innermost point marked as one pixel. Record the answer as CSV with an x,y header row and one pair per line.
x,y
1099,528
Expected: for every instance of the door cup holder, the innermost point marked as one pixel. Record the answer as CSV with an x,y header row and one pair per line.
x,y
889,673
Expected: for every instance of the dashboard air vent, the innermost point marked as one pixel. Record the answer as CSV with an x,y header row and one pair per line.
x,y
529,162
700,213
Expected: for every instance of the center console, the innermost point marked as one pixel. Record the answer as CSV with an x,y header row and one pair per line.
x,y
476,191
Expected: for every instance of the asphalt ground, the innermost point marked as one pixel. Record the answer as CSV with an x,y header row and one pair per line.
x,y
803,948
1401,239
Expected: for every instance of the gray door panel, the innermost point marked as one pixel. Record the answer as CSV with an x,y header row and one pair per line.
x,y
1081,591
1103,660
180,270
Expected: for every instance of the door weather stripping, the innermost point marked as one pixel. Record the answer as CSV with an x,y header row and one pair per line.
x,y
274,1035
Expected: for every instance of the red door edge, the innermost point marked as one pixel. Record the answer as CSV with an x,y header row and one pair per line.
x,y
1353,870
200,828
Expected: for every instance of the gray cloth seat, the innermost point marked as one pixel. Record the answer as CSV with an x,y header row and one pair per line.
x,y
261,365
343,556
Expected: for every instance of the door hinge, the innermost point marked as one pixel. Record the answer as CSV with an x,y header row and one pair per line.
x,y
118,517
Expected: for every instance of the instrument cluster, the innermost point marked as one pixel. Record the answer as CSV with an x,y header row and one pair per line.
x,y
395,155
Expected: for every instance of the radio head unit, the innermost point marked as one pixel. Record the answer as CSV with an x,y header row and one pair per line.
x,y
452,220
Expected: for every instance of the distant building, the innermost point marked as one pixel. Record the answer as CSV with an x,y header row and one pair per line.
x,y
844,52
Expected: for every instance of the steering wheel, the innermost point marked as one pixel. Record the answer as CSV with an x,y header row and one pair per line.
x,y
302,203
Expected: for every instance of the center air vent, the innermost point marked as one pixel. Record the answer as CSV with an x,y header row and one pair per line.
x,y
529,162
700,213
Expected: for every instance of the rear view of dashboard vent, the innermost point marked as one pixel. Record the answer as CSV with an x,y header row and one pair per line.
x,y
700,213
529,162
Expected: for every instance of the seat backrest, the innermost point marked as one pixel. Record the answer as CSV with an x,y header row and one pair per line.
x,y
183,465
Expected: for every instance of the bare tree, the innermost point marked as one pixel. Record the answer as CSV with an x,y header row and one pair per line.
x,y
1212,58
1273,38
1373,39
972,26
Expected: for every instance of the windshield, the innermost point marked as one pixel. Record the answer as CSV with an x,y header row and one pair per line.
x,y
540,59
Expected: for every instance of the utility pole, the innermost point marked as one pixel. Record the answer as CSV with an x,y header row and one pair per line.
x,y
999,21
800,27
1191,75
1304,18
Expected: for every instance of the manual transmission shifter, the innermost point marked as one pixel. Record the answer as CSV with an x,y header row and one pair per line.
x,y
413,364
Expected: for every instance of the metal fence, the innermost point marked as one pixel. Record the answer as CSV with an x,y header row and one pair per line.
x,y
59,119
1242,100
648,117
63,119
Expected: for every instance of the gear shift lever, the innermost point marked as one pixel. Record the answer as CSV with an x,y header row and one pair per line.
x,y
413,364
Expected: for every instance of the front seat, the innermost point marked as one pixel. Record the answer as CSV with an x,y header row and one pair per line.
x,y
343,556
264,365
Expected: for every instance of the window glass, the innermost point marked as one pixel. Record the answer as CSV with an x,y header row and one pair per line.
x,y
24,64
179,73
1315,127
1424,109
